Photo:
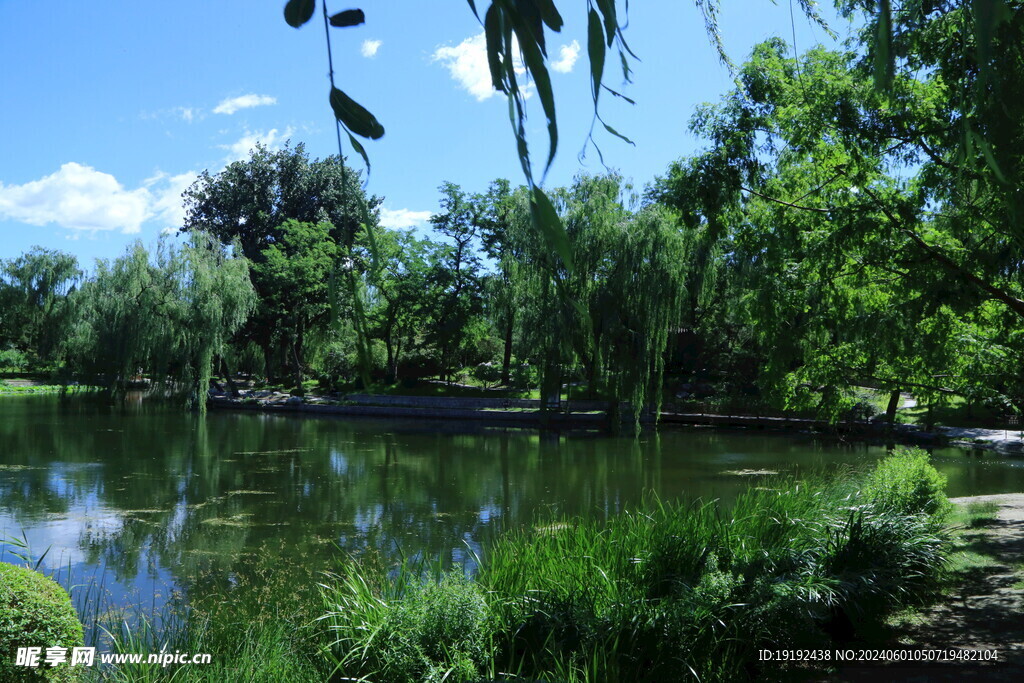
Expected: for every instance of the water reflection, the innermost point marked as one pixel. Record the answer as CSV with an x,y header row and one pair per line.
x,y
153,500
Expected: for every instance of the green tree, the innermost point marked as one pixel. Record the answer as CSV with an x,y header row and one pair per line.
x,y
401,291
249,200
868,255
294,275
33,301
495,217
457,310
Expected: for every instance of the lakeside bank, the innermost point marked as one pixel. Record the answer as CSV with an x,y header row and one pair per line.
x,y
591,414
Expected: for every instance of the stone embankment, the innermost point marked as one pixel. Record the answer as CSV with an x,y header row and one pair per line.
x,y
517,412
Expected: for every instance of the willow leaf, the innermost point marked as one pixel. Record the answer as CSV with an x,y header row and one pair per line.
x,y
550,14
546,218
596,50
350,17
298,12
495,47
355,116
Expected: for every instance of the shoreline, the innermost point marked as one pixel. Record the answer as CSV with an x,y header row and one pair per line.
x,y
593,415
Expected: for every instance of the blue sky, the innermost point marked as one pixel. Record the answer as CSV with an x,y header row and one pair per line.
x,y
110,110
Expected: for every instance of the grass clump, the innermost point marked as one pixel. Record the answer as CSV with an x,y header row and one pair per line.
x,y
35,612
259,626
409,627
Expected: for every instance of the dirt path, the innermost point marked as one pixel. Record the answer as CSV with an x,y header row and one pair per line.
x,y
987,613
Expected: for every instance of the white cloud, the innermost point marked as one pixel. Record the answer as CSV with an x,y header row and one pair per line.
x,y
186,114
400,219
77,197
467,63
166,202
567,56
271,139
370,47
80,198
233,104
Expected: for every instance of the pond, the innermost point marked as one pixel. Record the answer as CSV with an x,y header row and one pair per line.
x,y
146,501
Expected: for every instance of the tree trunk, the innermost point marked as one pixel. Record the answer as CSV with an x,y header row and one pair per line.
x,y
268,362
894,403
551,388
444,363
297,363
232,387
506,359
398,354
592,371
392,366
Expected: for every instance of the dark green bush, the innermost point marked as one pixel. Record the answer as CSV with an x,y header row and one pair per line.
x,y
487,373
35,612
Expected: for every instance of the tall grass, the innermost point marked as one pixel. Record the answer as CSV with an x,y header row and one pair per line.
x,y
663,592
413,625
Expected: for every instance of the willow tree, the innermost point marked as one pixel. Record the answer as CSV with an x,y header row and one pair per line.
x,y
167,316
641,308
33,301
213,300
613,312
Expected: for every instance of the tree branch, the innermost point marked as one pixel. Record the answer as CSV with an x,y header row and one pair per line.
x,y
1012,302
784,203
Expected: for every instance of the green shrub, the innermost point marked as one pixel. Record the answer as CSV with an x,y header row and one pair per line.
x,y
524,376
907,483
35,612
879,559
12,359
487,373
